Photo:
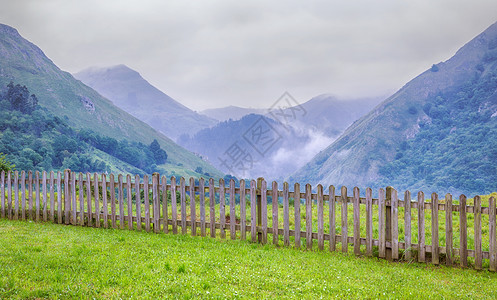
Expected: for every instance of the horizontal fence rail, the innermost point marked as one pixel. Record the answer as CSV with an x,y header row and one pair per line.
x,y
449,231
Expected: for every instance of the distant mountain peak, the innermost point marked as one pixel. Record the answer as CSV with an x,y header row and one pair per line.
x,y
9,30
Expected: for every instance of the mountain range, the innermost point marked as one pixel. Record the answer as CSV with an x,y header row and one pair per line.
x,y
82,107
437,133
127,89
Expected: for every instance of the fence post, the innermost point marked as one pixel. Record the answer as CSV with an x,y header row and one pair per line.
x,y
259,209
388,222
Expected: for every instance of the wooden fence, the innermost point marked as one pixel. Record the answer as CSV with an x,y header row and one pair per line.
x,y
380,227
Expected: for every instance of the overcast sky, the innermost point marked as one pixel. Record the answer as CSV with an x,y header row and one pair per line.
x,y
217,53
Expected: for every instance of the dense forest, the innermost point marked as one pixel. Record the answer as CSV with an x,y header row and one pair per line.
x,y
456,146
32,138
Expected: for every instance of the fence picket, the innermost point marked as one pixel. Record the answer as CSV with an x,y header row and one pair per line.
x,y
105,206
332,217
320,204
30,195
9,195
296,205
222,209
449,249
59,197
369,222
112,187
81,200
275,203
232,210
201,197
44,195
96,198
212,207
264,211
88,200
174,209
421,227
67,197
52,196
478,251
165,217
463,234
129,201
37,196
407,226
344,224
435,253
381,224
182,191
253,212
155,201
16,195
2,193
23,192
193,213
146,202
243,211
74,211
493,234
138,204
357,222
121,200
286,215
308,216
395,225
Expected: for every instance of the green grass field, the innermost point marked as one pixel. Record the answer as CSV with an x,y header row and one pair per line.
x,y
43,260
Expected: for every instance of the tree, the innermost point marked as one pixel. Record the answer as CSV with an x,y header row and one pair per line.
x,y
160,156
5,165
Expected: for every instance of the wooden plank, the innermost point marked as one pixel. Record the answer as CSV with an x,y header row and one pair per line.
x,y
67,197
37,195
44,195
369,222
16,195
253,211
222,208
395,225
174,209
243,211
121,200
320,204
59,197
104,202
381,224
2,193
112,188
421,227
435,253
89,207
463,232
96,199
30,195
407,226
74,218
156,202
129,198
493,234
212,208
193,213
308,216
449,249
264,211
357,222
286,215
201,197
232,210
332,218
183,204
388,222
275,203
9,195
23,192
81,200
138,203
146,202
343,200
478,240
52,196
165,216
296,205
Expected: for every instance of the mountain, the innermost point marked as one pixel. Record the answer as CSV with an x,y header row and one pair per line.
x,y
80,106
231,112
128,90
438,132
311,125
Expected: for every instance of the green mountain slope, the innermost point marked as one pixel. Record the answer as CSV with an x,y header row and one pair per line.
x,y
64,96
128,90
437,132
